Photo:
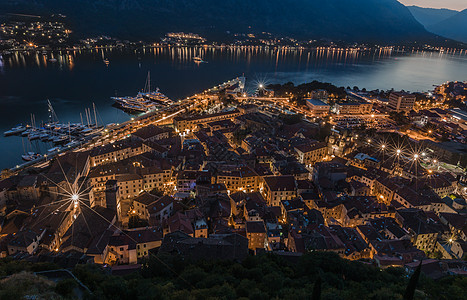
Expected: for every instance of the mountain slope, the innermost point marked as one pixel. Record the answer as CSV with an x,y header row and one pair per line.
x,y
356,20
454,27
431,16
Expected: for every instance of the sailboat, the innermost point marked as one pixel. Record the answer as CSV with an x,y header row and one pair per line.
x,y
29,155
15,130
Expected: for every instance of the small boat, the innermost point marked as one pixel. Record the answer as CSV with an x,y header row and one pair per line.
x,y
53,150
106,61
198,59
31,156
15,130
60,139
44,136
34,136
53,59
26,132
71,144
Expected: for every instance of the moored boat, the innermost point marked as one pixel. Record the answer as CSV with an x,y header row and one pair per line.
x,y
34,135
144,101
53,150
31,156
15,130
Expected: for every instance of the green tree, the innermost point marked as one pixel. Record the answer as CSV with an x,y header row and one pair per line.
x,y
65,287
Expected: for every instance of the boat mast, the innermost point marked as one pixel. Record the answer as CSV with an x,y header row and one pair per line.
x,y
87,116
147,84
95,115
52,114
149,81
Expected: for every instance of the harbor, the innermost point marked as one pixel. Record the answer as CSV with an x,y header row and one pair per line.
x,y
55,136
88,135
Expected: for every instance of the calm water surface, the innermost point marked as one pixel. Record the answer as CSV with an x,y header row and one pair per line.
x,y
79,79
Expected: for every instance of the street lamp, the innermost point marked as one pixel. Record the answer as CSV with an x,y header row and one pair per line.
x,y
383,147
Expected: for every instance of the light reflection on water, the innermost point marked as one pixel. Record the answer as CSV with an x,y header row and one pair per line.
x,y
79,78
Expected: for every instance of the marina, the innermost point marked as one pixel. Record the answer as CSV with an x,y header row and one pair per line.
x,y
56,136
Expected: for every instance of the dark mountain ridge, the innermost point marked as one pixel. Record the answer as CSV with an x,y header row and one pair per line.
x,y
357,20
444,22
431,16
454,27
